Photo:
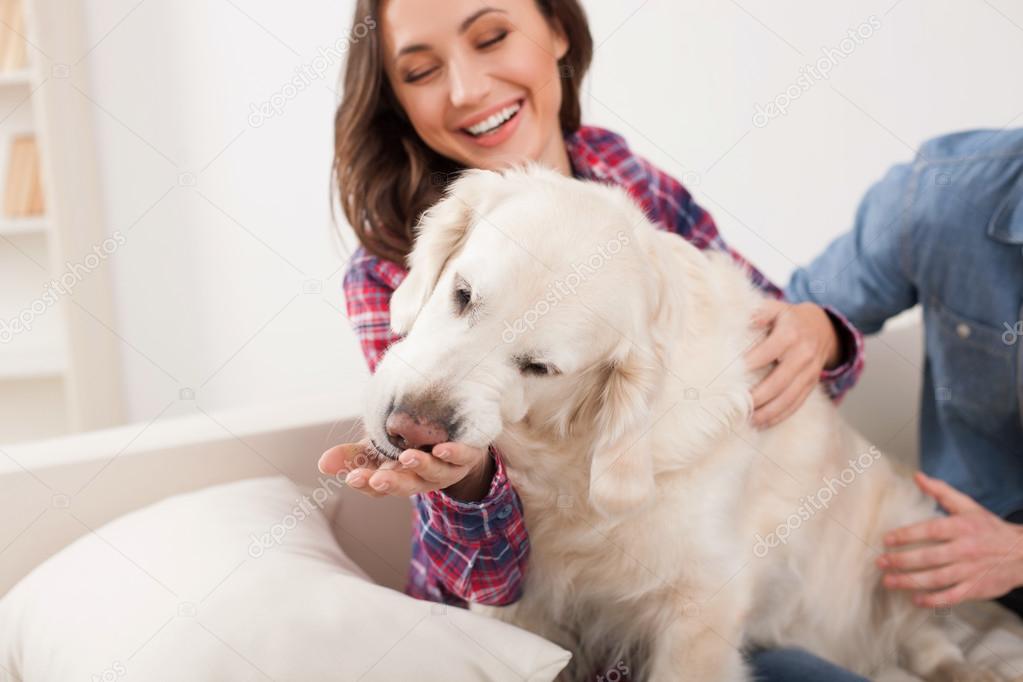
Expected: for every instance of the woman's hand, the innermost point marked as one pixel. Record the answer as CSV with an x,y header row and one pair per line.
x,y
462,471
977,556
801,341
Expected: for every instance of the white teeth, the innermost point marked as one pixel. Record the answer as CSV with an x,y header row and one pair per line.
x,y
494,121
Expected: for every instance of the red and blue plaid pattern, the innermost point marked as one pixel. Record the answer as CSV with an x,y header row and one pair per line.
x,y
477,551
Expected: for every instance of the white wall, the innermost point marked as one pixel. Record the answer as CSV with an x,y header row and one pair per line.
x,y
683,80
214,273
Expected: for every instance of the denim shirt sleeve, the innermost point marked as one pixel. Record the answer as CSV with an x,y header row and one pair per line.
x,y
863,274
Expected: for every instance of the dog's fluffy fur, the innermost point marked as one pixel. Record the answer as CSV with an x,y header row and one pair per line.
x,y
666,533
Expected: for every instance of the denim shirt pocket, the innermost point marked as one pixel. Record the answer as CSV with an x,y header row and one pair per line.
x,y
972,368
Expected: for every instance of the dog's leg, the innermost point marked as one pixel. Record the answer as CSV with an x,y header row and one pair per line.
x,y
699,649
930,654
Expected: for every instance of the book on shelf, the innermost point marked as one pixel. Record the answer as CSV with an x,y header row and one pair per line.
x,y
12,30
23,197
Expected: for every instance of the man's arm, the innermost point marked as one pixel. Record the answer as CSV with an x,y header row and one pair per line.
x,y
673,208
864,274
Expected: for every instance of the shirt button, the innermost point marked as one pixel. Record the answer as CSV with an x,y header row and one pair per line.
x,y
963,330
504,512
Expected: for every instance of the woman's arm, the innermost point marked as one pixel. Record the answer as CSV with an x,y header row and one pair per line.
x,y
469,534
368,285
477,550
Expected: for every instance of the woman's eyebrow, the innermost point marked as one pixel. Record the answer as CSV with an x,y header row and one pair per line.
x,y
463,27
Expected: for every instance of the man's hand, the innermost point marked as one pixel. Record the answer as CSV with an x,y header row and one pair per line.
x,y
977,556
462,471
801,341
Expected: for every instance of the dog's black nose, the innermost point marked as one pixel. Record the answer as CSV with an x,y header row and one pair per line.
x,y
406,431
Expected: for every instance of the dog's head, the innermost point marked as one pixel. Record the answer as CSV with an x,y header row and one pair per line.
x,y
530,296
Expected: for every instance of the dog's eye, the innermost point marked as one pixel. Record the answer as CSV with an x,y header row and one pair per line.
x,y
463,296
538,369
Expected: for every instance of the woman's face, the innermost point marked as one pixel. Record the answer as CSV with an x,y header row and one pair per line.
x,y
478,80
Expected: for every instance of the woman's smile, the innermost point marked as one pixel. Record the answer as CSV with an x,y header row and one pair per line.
x,y
494,125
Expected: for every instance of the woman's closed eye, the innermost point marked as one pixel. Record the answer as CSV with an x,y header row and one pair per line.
x,y
493,41
418,75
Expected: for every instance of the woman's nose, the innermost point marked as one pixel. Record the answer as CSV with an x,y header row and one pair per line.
x,y
469,83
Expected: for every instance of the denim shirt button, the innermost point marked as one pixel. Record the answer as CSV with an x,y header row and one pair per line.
x,y
963,330
504,512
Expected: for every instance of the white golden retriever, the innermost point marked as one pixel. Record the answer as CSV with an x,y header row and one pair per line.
x,y
603,357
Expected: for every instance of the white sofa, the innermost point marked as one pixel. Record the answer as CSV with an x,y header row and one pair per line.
x,y
121,469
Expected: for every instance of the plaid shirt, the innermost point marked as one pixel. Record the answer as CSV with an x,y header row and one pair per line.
x,y
477,551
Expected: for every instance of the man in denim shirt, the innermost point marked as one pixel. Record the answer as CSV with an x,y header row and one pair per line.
x,y
946,231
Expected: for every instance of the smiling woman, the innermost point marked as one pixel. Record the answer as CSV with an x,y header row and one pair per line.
x,y
433,92
467,93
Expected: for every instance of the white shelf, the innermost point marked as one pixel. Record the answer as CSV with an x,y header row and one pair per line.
x,y
61,375
19,226
41,363
18,77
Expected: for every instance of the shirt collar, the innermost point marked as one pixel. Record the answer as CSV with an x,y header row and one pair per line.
x,y
1007,223
586,164
601,156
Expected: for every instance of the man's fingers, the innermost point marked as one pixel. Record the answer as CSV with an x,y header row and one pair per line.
x,y
934,579
766,351
932,530
776,382
948,497
771,412
931,556
792,407
949,597
766,313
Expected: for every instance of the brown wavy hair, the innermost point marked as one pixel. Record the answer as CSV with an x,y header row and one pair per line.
x,y
385,175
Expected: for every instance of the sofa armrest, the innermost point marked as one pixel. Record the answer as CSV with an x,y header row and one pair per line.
x,y
54,491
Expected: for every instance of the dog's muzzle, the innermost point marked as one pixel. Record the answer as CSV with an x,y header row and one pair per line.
x,y
417,425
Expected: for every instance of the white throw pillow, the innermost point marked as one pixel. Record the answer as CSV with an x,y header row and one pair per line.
x,y
239,582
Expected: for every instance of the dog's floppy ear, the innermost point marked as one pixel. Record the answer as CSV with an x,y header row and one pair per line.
x,y
440,233
621,467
